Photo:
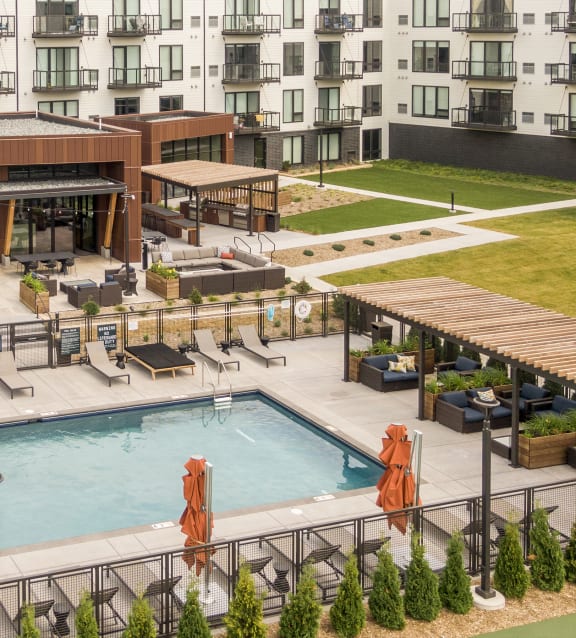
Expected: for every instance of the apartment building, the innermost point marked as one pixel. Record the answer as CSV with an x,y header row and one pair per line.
x,y
483,83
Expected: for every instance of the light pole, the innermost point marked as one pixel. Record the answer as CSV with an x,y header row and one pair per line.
x,y
126,196
321,182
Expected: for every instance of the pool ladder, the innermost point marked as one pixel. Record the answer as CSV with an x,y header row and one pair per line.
x,y
220,400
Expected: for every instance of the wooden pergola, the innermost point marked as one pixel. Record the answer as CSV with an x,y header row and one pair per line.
x,y
517,333
200,178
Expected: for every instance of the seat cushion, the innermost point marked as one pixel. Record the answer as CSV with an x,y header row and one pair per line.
x,y
472,416
391,377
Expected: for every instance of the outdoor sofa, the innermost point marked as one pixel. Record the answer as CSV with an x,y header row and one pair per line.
x,y
458,411
464,366
376,372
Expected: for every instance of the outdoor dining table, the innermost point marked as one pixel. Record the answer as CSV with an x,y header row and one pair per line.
x,y
28,258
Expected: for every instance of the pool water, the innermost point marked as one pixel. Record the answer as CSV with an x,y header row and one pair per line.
x,y
113,470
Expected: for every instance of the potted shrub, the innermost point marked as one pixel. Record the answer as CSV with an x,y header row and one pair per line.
x,y
452,381
163,281
34,294
411,347
354,359
546,439
431,391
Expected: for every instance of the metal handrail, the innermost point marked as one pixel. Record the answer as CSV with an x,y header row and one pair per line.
x,y
236,239
222,368
211,382
271,241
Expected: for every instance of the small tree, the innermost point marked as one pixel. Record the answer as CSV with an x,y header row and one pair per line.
x,y
28,627
421,597
454,587
510,576
140,620
547,561
193,623
245,618
347,614
570,557
86,625
300,617
385,600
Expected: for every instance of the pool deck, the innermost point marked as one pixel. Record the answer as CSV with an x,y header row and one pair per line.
x,y
312,383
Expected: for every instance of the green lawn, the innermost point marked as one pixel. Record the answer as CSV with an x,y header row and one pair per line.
x,y
539,267
480,189
367,214
561,627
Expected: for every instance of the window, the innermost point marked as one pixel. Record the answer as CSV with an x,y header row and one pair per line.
x,y
528,67
491,59
293,14
403,20
204,148
403,65
372,13
195,72
171,62
491,106
430,56
329,146
293,106
547,18
372,60
403,109
430,101
548,117
527,118
56,7
195,22
294,58
243,102
171,14
371,144
213,71
126,105
56,67
528,18
547,69
172,103
329,104
60,107
431,13
213,22
372,100
293,149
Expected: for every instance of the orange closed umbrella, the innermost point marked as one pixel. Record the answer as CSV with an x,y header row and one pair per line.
x,y
396,487
194,518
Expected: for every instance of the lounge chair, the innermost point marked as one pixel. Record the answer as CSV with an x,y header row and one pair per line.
x,y
102,600
41,611
207,347
10,376
98,359
251,342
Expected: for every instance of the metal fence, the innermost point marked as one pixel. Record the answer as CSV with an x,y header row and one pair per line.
x,y
275,561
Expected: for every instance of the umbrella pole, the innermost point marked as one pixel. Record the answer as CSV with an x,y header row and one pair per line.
x,y
207,598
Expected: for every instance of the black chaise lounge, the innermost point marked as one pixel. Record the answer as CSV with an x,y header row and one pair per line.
x,y
158,357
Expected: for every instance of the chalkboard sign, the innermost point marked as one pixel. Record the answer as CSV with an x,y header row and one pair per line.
x,y
70,341
107,334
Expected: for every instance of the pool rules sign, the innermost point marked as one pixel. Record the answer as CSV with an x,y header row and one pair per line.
x,y
107,333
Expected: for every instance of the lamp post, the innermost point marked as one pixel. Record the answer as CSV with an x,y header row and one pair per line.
x,y
126,196
321,163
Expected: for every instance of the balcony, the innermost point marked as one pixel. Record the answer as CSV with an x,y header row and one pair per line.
x,y
485,22
131,26
563,21
251,24
135,78
331,24
484,119
563,125
7,26
348,70
563,73
73,80
7,82
250,73
336,118
482,70
252,123
64,26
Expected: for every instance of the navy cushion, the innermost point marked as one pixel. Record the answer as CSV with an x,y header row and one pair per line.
x,y
457,398
562,404
86,286
390,376
472,416
465,364
501,412
380,361
531,391
109,277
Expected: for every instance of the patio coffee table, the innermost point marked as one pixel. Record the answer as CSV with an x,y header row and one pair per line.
x,y
64,285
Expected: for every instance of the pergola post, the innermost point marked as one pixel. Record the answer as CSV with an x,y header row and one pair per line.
x,y
515,418
346,340
421,372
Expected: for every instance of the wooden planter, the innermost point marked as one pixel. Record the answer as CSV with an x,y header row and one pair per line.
x,y
428,359
354,368
37,302
166,288
430,405
543,451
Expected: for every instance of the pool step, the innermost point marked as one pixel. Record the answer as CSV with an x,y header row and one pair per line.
x,y
222,402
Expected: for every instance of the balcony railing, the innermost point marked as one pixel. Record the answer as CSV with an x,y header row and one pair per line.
x,y
485,22
481,117
64,26
250,123
349,70
563,125
563,73
72,80
338,23
7,26
345,116
138,78
563,21
125,26
250,73
482,70
251,24
7,82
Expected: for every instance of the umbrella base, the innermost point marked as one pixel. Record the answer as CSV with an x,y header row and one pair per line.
x,y
494,603
214,599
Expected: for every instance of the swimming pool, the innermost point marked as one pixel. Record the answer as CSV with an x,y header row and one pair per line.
x,y
113,470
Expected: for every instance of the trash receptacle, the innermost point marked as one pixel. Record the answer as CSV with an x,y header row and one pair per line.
x,y
272,222
381,332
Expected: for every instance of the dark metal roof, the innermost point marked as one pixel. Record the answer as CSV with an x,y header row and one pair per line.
x,y
32,189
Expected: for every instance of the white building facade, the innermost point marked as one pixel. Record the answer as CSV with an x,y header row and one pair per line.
x,y
487,83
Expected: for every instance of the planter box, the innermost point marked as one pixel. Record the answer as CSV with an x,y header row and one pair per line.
x,y
354,368
430,405
428,359
166,288
543,451
37,302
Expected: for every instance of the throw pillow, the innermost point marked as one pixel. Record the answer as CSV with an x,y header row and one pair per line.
x,y
166,256
408,361
397,366
487,396
226,256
